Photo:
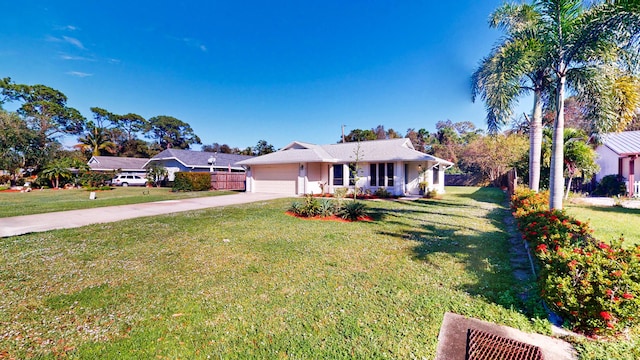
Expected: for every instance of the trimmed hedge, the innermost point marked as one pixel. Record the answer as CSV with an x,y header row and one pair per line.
x,y
592,284
192,181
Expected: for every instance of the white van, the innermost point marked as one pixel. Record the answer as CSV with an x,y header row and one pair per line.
x,y
128,180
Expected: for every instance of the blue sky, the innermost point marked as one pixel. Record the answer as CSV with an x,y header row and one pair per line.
x,y
242,71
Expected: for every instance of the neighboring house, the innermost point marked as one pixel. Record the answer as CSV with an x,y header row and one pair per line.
x,y
175,160
118,164
617,156
303,168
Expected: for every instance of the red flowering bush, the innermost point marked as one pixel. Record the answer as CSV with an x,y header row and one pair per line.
x,y
525,201
594,285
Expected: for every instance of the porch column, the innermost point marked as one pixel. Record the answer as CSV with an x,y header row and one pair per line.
x,y
330,178
620,173
632,166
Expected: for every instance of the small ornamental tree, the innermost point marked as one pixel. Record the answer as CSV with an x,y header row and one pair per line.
x,y
156,173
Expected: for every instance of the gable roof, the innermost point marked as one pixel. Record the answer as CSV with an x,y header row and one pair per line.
x,y
623,143
200,159
368,151
113,163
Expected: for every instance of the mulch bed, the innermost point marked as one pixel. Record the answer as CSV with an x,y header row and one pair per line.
x,y
328,218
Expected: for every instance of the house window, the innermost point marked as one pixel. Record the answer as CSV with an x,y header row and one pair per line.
x,y
381,174
338,175
352,174
436,174
373,174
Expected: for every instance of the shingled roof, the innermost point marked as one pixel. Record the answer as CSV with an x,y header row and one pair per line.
x,y
368,151
114,163
200,159
623,143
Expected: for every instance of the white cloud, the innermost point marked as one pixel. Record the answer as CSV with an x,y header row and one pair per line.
x,y
71,28
72,57
78,74
194,43
73,41
114,61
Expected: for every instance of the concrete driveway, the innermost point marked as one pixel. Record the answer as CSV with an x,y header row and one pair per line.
x,y
19,225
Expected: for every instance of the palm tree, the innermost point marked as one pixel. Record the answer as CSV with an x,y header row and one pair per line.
x,y
515,68
56,170
578,41
96,141
579,157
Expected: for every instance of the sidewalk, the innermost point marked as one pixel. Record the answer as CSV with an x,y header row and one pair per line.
x,y
19,225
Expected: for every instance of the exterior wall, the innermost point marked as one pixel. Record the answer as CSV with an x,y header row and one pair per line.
x,y
306,178
315,176
608,161
172,167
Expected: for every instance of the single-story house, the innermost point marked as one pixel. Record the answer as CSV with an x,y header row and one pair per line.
x,y
303,168
118,164
175,160
617,156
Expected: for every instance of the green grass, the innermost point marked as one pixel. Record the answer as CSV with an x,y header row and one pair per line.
x,y
249,282
610,223
43,201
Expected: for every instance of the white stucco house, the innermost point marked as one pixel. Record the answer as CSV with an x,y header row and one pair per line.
x,y
304,168
617,156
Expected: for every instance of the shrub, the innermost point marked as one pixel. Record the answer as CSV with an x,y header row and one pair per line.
x,y
40,182
610,186
383,193
327,208
353,210
596,286
95,179
340,193
431,194
5,179
592,284
192,181
311,206
296,208
525,201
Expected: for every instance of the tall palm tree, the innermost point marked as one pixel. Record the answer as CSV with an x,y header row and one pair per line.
x,y
96,140
578,41
514,68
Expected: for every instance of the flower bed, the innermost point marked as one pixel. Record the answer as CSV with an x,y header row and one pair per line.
x,y
592,284
313,207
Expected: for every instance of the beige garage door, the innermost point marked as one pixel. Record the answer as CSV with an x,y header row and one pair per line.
x,y
278,179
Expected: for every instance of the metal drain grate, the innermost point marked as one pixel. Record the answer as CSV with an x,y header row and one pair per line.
x,y
485,346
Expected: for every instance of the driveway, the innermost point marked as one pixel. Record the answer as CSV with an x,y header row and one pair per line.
x,y
607,201
19,225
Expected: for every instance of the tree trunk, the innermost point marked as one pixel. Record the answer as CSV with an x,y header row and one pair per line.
x,y
535,142
566,195
556,181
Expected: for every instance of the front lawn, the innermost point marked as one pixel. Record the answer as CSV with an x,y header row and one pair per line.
x,y
610,223
251,282
49,200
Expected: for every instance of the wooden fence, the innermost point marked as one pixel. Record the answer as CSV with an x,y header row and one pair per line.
x,y
228,181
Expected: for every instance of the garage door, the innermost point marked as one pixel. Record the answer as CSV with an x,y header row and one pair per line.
x,y
281,179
